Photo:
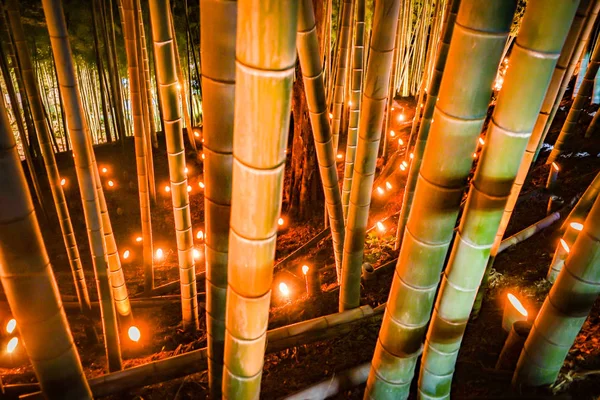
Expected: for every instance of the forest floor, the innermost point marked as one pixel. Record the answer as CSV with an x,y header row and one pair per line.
x,y
521,270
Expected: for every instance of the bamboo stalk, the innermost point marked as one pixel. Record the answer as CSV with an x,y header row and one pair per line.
x,y
584,204
338,383
85,175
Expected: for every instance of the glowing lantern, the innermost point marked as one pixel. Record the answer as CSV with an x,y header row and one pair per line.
x,y
134,333
197,254
12,345
200,235
203,156
380,226
340,156
380,190
201,184
305,269
111,183
283,288
330,115
126,254
104,170
577,226
555,166
189,188
11,326
179,86
564,245
388,186
392,133
167,188
138,239
402,167
513,312
186,170
405,164
350,103
280,221
196,134
474,155
400,142
401,117
159,254
63,181
411,156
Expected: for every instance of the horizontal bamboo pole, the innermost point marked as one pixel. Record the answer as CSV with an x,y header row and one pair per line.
x,y
337,383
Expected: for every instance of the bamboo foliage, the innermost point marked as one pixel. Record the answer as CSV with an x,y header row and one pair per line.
x,y
130,33
266,58
565,309
29,282
537,48
356,83
312,71
371,120
426,120
85,174
218,18
479,35
167,83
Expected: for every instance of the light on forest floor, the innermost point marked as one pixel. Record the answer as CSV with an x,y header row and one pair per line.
x,y
305,269
201,184
11,326
12,345
189,188
159,254
138,239
400,142
380,190
283,288
200,235
577,226
197,254
126,254
380,226
513,311
104,170
134,333
111,183
63,181
167,188
388,186
564,245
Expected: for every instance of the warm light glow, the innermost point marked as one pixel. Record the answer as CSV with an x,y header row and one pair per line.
x,y
555,166
189,188
167,188
380,190
400,142
126,254
159,254
380,226
203,156
200,235
340,156
330,115
401,117
196,134
577,226
280,222
63,181
201,184
564,245
392,134
111,183
11,326
134,333
421,105
481,141
305,269
393,108
350,103
12,345
411,156
517,304
186,170
283,288
405,163
505,60
474,155
388,186
104,170
197,254
402,167
179,86
138,239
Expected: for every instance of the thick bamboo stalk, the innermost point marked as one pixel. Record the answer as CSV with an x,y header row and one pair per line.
x,y
584,204
29,282
148,87
164,50
478,39
100,68
218,18
356,85
582,99
562,250
312,72
264,77
565,309
541,36
529,231
424,127
54,178
85,174
130,33
374,98
594,126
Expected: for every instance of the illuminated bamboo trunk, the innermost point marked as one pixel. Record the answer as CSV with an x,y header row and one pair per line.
x,y
339,88
54,179
264,79
29,282
562,250
374,98
166,74
218,18
148,83
594,125
584,204
478,39
434,87
581,100
130,30
536,138
310,62
565,309
355,99
85,175
100,68
539,42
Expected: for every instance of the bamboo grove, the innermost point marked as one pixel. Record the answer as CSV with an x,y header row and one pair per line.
x,y
259,98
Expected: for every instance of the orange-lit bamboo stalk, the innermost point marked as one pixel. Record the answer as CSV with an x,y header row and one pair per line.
x,y
130,34
537,48
164,50
584,204
84,165
312,71
374,98
264,78
29,282
218,19
478,39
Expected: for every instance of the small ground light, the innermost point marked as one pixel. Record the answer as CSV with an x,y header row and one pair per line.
x,y
564,245
400,142
411,156
126,254
167,188
305,269
12,345
63,181
392,133
138,239
340,156
197,254
189,189
481,141
330,115
380,190
401,117
159,254
186,170
134,333
111,183
513,312
11,326
405,163
280,221
350,103
200,235
104,170
201,184
179,86
196,134
474,155
577,226
203,156
283,288
388,186
402,167
380,226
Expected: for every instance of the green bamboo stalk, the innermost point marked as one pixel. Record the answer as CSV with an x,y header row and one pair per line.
x,y
29,282
264,78
537,135
565,309
54,178
85,175
218,19
312,72
432,96
543,31
583,64
148,87
561,253
584,204
479,35
130,33
374,98
355,97
164,51
594,125
582,99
